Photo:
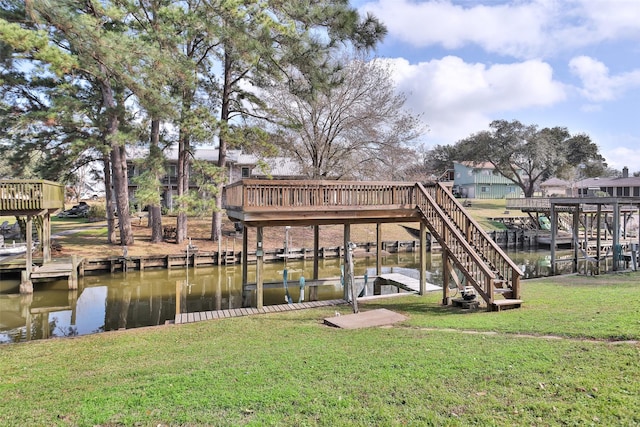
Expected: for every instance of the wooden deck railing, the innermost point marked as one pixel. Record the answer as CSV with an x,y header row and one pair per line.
x,y
258,194
30,195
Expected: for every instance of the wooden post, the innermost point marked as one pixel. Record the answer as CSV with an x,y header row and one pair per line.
x,y
46,238
178,296
316,250
598,236
245,251
350,276
423,259
259,262
616,235
378,249
554,229
73,276
313,291
26,286
347,238
576,240
446,271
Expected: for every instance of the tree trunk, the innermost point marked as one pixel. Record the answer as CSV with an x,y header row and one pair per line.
x,y
216,220
155,213
121,187
118,162
108,191
183,174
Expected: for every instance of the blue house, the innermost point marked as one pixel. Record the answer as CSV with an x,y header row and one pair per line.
x,y
481,181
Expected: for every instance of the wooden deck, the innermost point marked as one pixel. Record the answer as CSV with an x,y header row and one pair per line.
x,y
249,311
465,245
34,199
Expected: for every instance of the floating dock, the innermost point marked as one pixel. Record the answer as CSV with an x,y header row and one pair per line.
x,y
406,283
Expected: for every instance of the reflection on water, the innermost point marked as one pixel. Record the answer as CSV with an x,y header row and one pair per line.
x,y
143,298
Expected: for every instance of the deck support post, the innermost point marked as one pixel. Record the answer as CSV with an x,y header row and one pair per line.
x,y
26,286
598,236
423,258
446,271
554,232
617,250
245,252
378,249
313,290
73,276
576,234
46,238
259,262
347,239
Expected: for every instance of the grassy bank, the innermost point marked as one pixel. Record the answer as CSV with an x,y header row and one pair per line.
x,y
289,369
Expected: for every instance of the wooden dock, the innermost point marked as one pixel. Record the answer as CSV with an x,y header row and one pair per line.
x,y
239,312
55,270
406,283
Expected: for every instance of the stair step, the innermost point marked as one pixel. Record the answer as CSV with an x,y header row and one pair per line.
x,y
504,304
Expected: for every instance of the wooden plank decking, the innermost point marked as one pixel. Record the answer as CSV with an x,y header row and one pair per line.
x,y
239,312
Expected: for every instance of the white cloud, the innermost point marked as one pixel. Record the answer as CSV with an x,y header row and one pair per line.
x,y
620,157
521,29
459,98
508,29
597,83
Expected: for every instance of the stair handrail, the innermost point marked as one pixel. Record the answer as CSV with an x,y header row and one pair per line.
x,y
440,225
478,238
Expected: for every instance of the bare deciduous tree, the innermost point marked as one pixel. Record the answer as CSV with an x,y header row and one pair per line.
x,y
355,127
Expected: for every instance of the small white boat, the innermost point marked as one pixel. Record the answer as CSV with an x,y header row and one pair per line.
x,y
13,249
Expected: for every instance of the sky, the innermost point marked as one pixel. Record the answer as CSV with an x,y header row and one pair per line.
x,y
571,63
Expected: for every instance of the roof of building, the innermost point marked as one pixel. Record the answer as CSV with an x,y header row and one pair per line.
x,y
477,165
555,182
631,181
279,166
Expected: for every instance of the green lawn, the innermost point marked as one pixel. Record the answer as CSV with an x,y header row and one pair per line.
x,y
440,367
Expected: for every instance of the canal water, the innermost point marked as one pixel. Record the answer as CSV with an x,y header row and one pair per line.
x,y
114,301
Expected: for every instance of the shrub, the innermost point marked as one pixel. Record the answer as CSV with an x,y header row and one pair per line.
x,y
97,211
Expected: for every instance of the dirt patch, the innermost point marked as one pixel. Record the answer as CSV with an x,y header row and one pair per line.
x,y
90,239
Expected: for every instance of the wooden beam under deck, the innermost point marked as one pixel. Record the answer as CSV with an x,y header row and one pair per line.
x,y
306,217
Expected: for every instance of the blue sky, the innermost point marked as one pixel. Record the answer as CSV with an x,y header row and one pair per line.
x,y
572,63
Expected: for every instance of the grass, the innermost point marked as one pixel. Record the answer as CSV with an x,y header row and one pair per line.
x,y
289,369
483,209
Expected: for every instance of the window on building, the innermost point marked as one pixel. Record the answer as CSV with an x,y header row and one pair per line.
x,y
246,172
172,170
484,189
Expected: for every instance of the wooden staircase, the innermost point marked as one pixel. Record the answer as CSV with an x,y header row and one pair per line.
x,y
467,247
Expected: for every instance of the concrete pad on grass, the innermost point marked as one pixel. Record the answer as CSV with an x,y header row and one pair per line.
x,y
365,319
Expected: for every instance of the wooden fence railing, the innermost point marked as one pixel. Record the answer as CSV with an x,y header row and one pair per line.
x,y
262,194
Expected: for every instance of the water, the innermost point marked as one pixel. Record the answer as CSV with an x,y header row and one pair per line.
x,y
116,301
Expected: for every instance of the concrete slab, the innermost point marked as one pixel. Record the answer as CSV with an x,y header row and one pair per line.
x,y
365,319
